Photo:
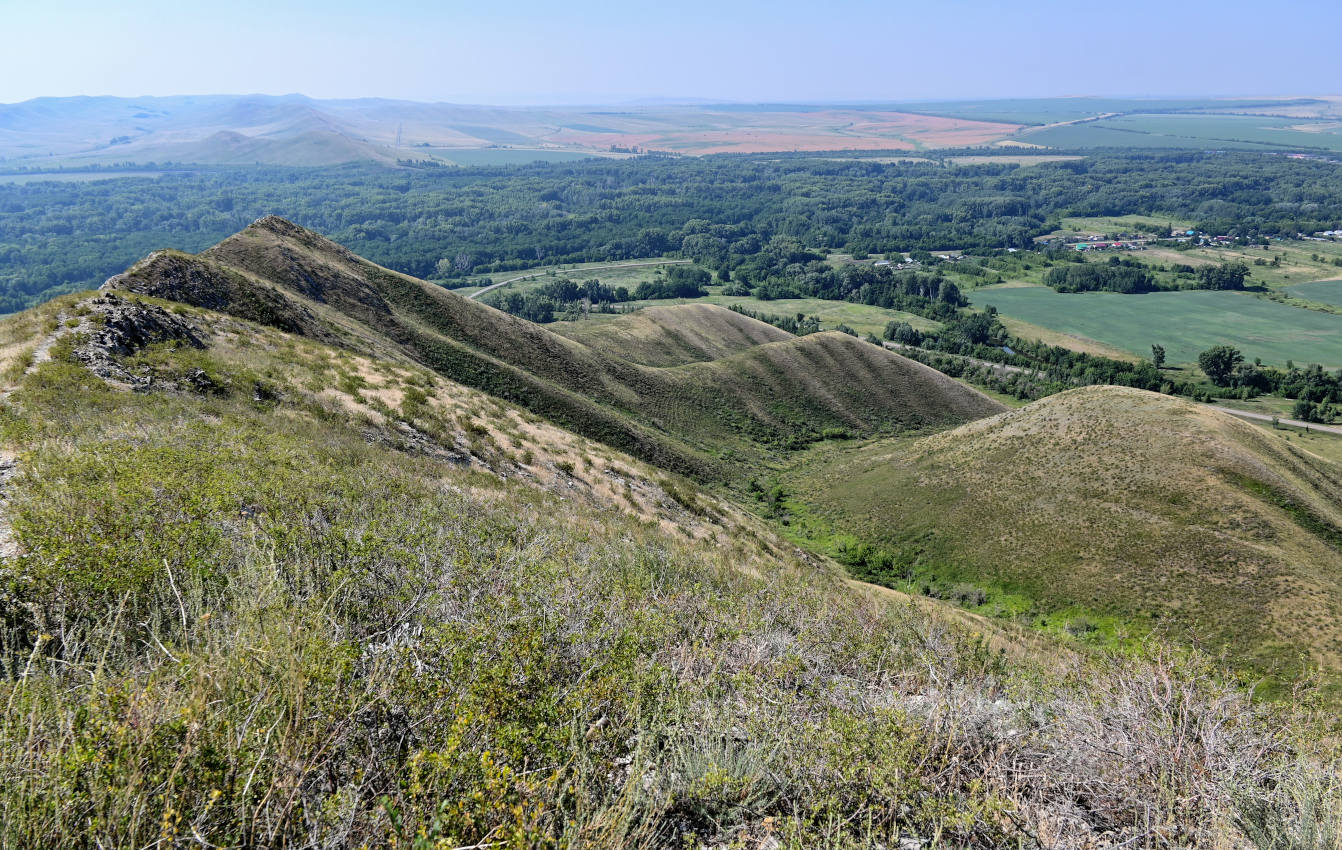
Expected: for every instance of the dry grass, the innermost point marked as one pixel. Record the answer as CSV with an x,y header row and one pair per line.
x,y
245,619
1025,330
674,335
1126,504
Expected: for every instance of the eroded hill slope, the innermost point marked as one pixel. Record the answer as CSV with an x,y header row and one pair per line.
x,y
1112,501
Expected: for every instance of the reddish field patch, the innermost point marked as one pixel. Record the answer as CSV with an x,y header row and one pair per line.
x,y
703,132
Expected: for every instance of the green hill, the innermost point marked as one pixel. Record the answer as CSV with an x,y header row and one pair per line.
x,y
699,421
1107,502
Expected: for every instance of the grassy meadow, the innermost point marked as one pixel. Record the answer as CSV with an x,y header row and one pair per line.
x,y
1100,225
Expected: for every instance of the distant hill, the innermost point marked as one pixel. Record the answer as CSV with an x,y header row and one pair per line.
x,y
87,130
1116,502
702,419
307,148
76,131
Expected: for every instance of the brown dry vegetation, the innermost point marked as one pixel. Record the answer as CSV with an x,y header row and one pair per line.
x,y
673,336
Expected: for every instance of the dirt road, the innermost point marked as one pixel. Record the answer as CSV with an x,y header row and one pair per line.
x,y
1294,423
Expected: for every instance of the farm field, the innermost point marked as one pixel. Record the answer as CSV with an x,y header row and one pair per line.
x,y
1186,323
1054,110
1322,291
1025,159
1027,330
1245,132
768,129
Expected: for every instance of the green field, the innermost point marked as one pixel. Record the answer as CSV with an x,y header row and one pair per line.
x,y
1323,291
1296,261
1246,132
1054,109
1186,323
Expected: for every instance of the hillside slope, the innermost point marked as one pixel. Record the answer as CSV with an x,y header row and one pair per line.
x,y
1116,502
674,335
307,148
703,422
259,590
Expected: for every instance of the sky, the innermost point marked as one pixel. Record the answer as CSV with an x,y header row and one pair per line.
x,y
524,52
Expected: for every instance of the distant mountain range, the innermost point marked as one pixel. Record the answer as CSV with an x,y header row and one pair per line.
x,y
298,130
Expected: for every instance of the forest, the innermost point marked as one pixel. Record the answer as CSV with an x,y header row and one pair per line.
x,y
762,219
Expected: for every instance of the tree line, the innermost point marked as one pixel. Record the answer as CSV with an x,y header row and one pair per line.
x,y
762,218
1129,277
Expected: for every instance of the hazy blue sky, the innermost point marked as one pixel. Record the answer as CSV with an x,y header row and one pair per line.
x,y
576,51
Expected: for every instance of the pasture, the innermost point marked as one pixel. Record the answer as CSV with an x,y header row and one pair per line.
x,y
1186,323
1240,132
